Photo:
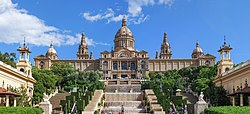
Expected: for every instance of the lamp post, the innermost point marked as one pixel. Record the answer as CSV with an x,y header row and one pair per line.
x,y
161,85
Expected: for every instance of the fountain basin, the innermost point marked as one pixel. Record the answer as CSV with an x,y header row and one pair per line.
x,y
123,88
123,97
127,110
136,104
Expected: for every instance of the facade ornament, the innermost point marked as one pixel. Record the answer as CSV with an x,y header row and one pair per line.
x,y
201,97
45,97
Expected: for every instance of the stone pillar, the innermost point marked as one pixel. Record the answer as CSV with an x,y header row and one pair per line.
x,y
7,101
45,105
201,105
14,101
178,92
233,101
241,99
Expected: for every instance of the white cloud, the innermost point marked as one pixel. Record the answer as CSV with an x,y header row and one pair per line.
x,y
92,18
94,43
135,6
17,23
108,15
134,15
166,2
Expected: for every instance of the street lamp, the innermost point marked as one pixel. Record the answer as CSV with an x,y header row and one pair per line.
x,y
161,85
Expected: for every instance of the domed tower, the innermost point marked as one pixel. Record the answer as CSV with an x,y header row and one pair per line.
x,y
83,49
225,63
124,37
166,52
23,63
51,53
197,52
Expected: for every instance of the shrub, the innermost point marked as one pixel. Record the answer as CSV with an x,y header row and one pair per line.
x,y
20,110
228,110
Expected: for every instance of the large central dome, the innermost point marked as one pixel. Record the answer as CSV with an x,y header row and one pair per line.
x,y
123,31
124,37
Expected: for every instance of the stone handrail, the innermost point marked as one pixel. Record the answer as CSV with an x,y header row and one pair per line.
x,y
93,104
152,99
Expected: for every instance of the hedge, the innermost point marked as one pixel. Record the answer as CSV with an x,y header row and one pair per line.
x,y
228,110
20,110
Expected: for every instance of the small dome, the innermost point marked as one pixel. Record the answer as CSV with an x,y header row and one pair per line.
x,y
51,50
197,49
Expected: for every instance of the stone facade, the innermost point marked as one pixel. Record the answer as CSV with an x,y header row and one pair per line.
x,y
20,77
231,78
126,62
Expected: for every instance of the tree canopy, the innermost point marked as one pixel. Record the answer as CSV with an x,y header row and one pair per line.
x,y
198,79
45,83
8,58
63,76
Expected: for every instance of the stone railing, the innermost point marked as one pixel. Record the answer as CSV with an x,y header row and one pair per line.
x,y
153,103
93,105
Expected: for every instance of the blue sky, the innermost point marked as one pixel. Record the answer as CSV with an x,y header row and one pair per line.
x,y
185,21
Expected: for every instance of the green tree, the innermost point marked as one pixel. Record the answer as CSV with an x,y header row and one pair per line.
x,y
8,58
89,79
62,70
45,83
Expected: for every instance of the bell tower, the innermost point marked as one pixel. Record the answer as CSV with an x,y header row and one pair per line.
x,y
83,49
23,63
166,52
225,62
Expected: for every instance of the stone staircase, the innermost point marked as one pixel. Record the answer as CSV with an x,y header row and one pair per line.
x,y
191,100
55,101
93,104
126,93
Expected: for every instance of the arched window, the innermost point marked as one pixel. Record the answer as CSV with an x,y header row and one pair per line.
x,y
227,69
105,65
207,62
22,70
41,64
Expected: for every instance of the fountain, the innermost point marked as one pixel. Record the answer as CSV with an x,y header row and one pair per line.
x,y
123,92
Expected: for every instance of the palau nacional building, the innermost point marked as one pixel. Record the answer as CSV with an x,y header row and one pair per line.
x,y
124,61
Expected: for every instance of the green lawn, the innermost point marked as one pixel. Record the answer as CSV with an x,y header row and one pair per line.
x,y
20,110
228,110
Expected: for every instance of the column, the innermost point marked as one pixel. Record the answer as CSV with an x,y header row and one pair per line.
x,y
233,100
7,101
14,101
241,99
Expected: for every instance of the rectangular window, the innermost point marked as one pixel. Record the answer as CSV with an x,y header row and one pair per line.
x,y
115,67
132,66
124,65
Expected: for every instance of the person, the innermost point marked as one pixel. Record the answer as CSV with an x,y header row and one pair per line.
x,y
122,109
